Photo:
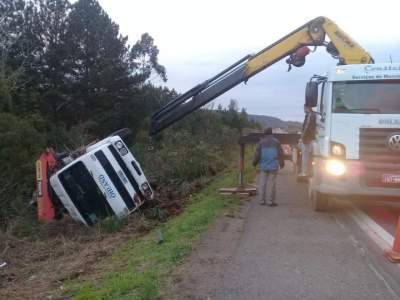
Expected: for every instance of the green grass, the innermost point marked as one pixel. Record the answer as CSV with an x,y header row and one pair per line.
x,y
140,268
111,224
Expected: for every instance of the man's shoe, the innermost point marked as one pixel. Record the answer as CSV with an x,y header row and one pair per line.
x,y
302,174
273,204
263,203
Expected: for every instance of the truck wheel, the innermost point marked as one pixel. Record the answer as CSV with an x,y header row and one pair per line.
x,y
319,202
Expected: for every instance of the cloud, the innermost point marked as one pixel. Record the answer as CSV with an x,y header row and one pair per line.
x,y
197,40
274,91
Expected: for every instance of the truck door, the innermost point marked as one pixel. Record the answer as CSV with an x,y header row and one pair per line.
x,y
322,121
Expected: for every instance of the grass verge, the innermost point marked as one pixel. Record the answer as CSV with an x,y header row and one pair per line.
x,y
139,269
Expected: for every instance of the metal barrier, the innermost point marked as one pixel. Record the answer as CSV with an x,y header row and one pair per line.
x,y
253,138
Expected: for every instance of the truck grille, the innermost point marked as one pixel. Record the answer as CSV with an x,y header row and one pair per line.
x,y
378,159
373,145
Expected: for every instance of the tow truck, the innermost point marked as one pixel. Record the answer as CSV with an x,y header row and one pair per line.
x,y
356,153
357,146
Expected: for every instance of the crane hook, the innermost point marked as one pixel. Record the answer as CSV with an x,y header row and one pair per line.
x,y
150,146
298,58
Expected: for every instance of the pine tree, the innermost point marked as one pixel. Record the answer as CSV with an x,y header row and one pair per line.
x,y
97,66
51,22
144,57
14,51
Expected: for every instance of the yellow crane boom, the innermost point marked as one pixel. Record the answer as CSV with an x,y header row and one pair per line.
x,y
341,46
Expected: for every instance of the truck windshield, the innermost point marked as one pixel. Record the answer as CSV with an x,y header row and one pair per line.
x,y
84,193
366,97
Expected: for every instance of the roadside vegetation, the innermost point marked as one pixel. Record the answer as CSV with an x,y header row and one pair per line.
x,y
139,269
67,77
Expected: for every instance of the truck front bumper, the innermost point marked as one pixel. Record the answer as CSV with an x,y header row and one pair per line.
x,y
351,184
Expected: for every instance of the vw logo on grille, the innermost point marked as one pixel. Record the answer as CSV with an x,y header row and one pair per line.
x,y
393,142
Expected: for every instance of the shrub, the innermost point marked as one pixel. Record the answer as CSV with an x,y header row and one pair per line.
x,y
111,224
20,143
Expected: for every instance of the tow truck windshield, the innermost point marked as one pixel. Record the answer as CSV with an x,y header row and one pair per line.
x,y
366,97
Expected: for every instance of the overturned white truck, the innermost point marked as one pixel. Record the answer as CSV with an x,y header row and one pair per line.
x,y
100,180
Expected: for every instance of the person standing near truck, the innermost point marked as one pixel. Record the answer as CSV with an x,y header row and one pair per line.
x,y
307,136
269,155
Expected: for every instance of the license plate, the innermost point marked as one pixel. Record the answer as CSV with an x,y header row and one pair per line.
x,y
391,178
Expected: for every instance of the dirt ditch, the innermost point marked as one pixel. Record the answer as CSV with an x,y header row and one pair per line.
x,y
39,266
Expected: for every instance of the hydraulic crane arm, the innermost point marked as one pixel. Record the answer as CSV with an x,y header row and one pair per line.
x,y
313,33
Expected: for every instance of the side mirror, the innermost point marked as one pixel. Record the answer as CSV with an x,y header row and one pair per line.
x,y
311,94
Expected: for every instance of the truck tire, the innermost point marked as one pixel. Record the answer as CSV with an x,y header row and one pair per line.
x,y
319,201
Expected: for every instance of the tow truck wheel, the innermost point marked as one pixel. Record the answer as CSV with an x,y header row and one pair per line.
x,y
319,202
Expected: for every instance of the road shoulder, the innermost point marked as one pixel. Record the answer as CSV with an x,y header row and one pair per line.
x,y
201,274
287,252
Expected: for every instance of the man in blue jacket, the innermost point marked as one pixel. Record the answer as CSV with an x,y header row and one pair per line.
x,y
269,155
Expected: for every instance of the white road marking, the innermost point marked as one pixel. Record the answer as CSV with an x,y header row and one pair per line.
x,y
357,245
341,225
379,235
379,275
353,239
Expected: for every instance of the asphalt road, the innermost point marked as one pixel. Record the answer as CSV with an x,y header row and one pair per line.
x,y
287,252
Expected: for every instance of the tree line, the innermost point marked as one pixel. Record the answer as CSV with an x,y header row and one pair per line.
x,y
68,76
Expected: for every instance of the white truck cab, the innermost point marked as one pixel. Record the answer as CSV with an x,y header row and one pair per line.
x,y
105,180
357,147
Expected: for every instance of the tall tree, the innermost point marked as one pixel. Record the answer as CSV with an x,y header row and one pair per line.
x,y
14,50
144,58
107,77
233,105
51,21
98,70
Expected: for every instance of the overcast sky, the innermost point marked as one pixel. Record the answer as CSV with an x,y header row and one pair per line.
x,y
197,39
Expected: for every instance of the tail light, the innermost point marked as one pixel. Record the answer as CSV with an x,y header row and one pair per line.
x,y
137,199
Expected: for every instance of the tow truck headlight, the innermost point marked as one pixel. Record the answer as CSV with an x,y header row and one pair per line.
x,y
338,150
335,167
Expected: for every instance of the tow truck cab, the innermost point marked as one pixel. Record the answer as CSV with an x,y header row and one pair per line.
x,y
105,181
357,147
